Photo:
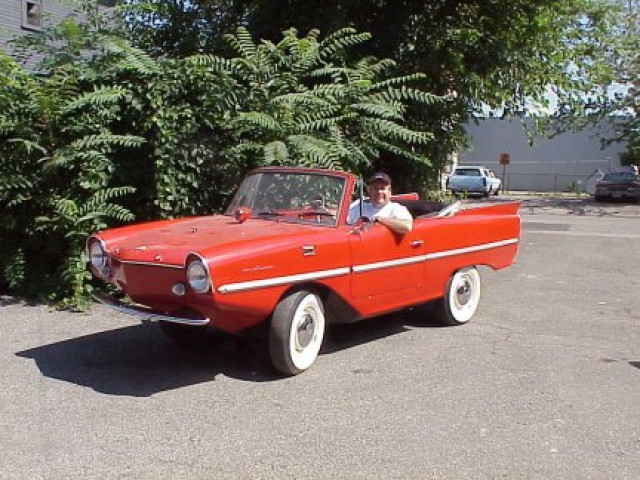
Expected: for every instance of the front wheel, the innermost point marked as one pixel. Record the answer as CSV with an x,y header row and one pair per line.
x,y
297,330
461,298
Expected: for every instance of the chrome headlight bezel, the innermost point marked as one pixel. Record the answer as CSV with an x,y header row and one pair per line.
x,y
98,258
197,275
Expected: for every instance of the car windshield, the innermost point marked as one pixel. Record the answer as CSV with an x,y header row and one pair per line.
x,y
619,177
467,172
300,197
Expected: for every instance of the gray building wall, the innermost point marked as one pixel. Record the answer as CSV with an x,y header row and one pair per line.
x,y
12,22
11,18
550,164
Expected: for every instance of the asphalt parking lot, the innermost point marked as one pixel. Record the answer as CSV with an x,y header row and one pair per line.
x,y
543,383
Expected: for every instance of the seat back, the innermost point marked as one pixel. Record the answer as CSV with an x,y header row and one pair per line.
x,y
397,197
421,208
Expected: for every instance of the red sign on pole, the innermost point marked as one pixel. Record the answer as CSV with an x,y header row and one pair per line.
x,y
504,159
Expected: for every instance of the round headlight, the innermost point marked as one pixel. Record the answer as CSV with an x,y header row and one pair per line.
x,y
98,258
198,277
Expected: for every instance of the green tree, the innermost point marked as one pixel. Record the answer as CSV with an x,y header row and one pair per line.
x,y
56,177
105,133
180,28
614,96
298,102
481,55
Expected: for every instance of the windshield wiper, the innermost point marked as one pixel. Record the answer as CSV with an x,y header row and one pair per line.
x,y
313,213
269,213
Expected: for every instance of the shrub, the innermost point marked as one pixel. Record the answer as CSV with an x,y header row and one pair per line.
x,y
108,134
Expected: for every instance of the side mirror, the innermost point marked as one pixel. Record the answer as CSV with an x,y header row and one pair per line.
x,y
241,214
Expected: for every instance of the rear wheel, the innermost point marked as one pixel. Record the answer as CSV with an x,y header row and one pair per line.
x,y
297,331
461,298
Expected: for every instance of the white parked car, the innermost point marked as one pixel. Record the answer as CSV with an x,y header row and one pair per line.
x,y
473,179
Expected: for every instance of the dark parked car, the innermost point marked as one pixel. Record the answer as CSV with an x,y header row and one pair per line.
x,y
618,185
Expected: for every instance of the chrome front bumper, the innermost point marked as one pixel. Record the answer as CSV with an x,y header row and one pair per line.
x,y
146,313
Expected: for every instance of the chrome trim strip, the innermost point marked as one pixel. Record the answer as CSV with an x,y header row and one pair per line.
x,y
151,264
431,256
271,282
146,314
388,263
475,248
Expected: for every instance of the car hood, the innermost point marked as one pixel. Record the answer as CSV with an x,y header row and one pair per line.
x,y
169,242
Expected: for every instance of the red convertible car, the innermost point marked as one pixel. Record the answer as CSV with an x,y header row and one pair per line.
x,y
284,253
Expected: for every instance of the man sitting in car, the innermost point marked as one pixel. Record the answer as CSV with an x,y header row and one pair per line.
x,y
380,209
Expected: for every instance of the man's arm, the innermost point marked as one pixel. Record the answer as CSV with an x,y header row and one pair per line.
x,y
397,225
398,219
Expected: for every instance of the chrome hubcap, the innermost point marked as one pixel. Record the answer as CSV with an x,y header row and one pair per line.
x,y
463,292
306,330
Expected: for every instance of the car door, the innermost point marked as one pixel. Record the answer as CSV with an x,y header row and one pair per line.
x,y
384,262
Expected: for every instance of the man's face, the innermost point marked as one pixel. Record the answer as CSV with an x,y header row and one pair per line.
x,y
379,193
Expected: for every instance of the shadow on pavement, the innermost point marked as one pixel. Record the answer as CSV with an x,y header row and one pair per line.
x,y
635,364
6,300
139,361
344,336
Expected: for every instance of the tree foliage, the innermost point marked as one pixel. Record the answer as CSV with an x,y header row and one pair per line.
x,y
486,57
180,28
105,133
56,176
298,103
613,97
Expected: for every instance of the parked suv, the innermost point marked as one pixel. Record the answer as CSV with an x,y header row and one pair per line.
x,y
473,179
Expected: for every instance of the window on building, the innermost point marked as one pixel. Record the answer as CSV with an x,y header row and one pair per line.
x,y
32,14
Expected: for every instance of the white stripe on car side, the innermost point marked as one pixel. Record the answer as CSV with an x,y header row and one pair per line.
x,y
388,263
475,248
271,282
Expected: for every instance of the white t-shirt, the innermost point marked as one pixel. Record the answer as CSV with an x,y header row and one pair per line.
x,y
390,210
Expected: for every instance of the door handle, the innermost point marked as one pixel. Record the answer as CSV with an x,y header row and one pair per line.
x,y
416,243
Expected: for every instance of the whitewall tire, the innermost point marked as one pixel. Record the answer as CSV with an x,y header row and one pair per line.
x,y
461,298
296,333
